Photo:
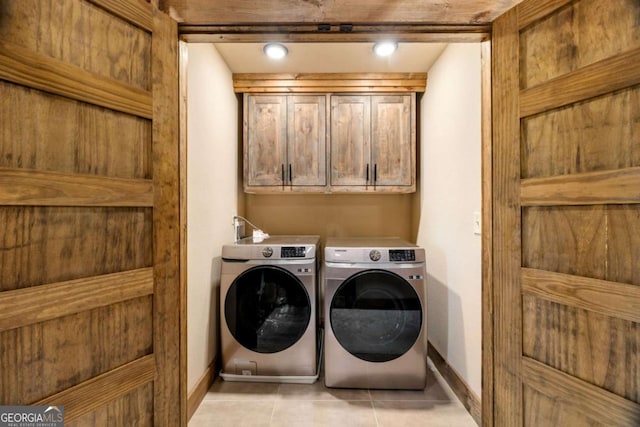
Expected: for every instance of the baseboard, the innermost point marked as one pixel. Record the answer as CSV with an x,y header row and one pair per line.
x,y
200,390
457,384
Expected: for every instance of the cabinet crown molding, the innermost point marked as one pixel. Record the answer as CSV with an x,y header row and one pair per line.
x,y
329,82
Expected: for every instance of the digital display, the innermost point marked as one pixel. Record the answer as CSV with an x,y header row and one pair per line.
x,y
399,255
293,252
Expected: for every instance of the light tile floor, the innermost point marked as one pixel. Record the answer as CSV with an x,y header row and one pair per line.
x,y
239,404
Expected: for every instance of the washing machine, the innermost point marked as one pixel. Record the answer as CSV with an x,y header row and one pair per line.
x,y
268,308
374,314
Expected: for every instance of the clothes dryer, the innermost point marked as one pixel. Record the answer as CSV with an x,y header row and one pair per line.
x,y
268,316
374,314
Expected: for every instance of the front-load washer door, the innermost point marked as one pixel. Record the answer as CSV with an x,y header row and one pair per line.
x,y
376,315
267,309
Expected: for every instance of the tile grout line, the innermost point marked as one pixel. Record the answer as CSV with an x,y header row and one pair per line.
x,y
373,408
277,397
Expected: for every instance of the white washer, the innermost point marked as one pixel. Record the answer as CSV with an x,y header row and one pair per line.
x,y
375,314
268,316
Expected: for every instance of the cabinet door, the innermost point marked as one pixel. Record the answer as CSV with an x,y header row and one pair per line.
x,y
392,150
307,135
350,140
265,150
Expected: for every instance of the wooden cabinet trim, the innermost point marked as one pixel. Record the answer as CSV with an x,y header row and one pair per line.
x,y
329,82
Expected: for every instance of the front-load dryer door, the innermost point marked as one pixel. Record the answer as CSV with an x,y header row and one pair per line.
x,y
376,315
267,309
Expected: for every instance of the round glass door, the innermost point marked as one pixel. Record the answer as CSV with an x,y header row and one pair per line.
x,y
267,309
376,315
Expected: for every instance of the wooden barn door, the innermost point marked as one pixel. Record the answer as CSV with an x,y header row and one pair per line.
x,y
89,275
566,170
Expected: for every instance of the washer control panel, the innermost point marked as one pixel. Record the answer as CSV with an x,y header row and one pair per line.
x,y
402,255
293,252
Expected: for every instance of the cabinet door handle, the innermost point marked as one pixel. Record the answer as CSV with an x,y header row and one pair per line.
x,y
282,174
367,181
290,174
375,172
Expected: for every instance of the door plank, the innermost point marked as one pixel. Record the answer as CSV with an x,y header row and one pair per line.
x,y
26,306
169,297
529,12
61,78
506,222
609,298
135,405
593,188
24,187
138,12
90,395
607,75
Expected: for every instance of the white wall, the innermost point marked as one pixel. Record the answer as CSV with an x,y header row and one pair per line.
x,y
212,159
450,193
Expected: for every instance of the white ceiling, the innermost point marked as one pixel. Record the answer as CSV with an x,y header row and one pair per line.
x,y
330,58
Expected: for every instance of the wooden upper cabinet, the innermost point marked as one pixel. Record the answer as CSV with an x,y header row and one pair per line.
x,y
350,140
284,143
371,137
307,134
373,143
392,141
265,151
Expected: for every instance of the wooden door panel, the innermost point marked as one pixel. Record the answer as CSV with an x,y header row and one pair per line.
x,y
49,132
80,33
577,35
350,140
601,242
566,244
594,135
266,146
307,135
102,339
52,244
391,148
569,240
90,295
598,349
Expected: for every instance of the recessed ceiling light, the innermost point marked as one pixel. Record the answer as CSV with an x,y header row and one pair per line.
x,y
275,50
385,48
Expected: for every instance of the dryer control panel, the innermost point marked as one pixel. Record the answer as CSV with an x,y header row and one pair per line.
x,y
402,255
372,251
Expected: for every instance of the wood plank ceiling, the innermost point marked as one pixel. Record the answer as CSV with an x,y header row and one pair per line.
x,y
335,20
460,12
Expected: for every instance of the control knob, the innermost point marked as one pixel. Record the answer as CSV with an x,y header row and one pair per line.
x,y
374,255
267,252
